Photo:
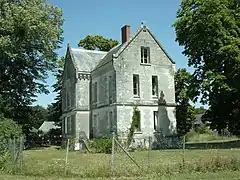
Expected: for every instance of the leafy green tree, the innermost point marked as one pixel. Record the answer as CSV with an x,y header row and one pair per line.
x,y
30,32
185,112
97,43
55,109
8,130
209,31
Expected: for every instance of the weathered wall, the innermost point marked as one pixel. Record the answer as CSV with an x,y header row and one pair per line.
x,y
82,123
105,86
104,119
69,86
101,109
82,91
129,63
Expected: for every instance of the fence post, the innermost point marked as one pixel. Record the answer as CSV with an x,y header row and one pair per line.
x,y
21,153
66,158
112,159
149,148
14,155
183,153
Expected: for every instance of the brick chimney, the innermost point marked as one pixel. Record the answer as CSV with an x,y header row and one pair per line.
x,y
125,33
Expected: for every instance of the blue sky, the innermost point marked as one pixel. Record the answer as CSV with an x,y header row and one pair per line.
x,y
105,17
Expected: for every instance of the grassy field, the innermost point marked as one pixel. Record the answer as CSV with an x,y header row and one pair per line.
x,y
168,164
190,176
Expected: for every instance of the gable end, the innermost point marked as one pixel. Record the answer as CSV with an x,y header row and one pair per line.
x,y
144,29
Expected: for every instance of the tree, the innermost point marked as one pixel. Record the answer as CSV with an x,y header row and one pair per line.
x,y
30,32
55,109
185,113
209,31
97,43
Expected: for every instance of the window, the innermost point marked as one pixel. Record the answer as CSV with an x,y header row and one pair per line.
x,y
154,85
69,125
145,55
110,89
110,121
136,85
155,120
64,125
138,116
67,99
95,92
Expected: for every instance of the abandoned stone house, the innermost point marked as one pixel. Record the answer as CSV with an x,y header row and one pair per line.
x,y
100,89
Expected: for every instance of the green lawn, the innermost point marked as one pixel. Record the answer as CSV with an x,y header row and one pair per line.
x,y
168,164
190,176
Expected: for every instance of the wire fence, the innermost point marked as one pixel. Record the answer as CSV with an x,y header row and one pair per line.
x,y
152,155
15,152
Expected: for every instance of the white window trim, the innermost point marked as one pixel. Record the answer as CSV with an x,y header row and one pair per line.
x,y
142,55
138,85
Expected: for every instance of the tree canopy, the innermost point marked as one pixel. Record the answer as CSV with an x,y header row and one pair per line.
x,y
209,31
30,32
97,43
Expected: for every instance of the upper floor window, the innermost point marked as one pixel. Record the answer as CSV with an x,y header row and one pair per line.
x,y
154,85
136,85
68,99
145,55
110,89
95,92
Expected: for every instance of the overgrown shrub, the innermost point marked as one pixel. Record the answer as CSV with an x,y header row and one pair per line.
x,y
101,145
135,124
8,130
203,129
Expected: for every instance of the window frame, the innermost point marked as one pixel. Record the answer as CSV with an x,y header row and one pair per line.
x,y
155,120
145,51
110,89
155,84
136,90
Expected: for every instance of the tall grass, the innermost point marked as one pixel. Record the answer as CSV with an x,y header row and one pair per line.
x,y
47,163
204,134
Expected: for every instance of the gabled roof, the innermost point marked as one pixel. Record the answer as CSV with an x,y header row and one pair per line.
x,y
85,60
48,125
143,27
108,57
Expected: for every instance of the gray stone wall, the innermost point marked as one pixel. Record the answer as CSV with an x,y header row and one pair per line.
x,y
83,91
129,63
69,86
82,123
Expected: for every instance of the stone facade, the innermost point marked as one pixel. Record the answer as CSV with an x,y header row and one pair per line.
x,y
100,89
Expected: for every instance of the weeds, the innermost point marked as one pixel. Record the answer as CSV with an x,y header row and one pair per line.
x,y
48,163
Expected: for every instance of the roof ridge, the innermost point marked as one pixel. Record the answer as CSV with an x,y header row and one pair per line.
x,y
86,50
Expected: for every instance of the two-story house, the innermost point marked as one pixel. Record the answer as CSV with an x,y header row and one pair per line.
x,y
100,89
